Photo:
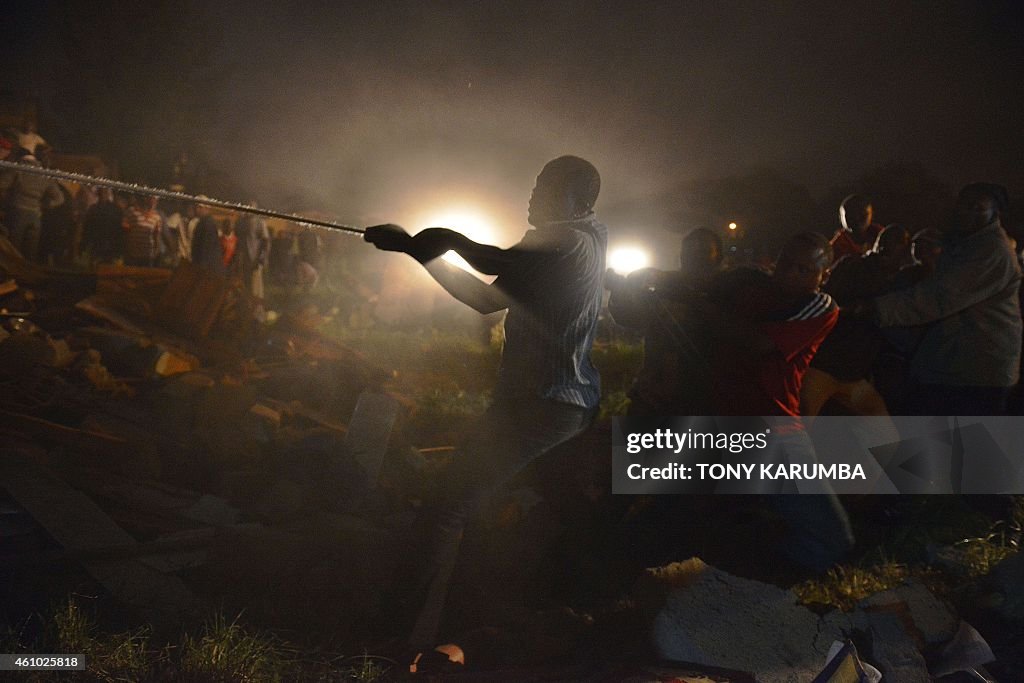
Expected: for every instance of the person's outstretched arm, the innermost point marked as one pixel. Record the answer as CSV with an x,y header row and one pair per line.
x,y
428,246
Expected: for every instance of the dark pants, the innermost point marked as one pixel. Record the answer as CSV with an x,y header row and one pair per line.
x,y
509,436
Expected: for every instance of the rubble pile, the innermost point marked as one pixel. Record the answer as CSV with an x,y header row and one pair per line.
x,y
157,434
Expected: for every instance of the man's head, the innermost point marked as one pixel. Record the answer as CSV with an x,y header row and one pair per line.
x,y
926,246
855,213
802,266
701,253
893,245
979,204
566,189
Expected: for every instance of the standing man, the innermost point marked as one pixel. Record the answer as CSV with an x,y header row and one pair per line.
x,y
676,378
27,196
254,245
206,249
859,232
969,359
102,234
548,390
142,243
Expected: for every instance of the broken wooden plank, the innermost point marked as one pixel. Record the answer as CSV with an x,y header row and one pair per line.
x,y
190,303
88,441
315,416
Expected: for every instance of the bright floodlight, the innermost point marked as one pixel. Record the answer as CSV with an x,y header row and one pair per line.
x,y
732,226
472,225
625,260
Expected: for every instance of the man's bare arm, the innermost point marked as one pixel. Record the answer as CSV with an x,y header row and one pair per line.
x,y
465,287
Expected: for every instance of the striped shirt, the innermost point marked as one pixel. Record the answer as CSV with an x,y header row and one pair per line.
x,y
143,234
556,287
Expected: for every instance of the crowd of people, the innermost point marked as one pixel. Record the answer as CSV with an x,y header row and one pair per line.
x,y
67,225
875,321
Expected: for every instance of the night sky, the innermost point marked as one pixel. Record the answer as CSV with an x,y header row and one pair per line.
x,y
390,110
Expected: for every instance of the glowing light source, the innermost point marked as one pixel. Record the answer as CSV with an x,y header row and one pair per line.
x,y
625,260
471,224
732,226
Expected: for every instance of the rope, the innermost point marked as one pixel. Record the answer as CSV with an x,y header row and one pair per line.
x,y
134,188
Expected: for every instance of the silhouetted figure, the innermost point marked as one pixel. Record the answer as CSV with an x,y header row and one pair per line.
x,y
283,259
858,233
206,249
102,234
547,390
676,377
968,360
57,231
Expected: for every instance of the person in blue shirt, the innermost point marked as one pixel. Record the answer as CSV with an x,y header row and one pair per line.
x,y
547,389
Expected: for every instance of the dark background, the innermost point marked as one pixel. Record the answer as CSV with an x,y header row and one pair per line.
x,y
695,113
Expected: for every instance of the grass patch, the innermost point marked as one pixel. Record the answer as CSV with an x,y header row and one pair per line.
x,y
951,566
227,652
367,668
843,587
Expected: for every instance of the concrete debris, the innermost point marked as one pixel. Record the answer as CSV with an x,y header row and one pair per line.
x,y
709,617
702,615
894,651
929,619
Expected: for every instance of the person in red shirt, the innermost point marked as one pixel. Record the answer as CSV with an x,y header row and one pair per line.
x,y
859,232
769,327
228,245
772,325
